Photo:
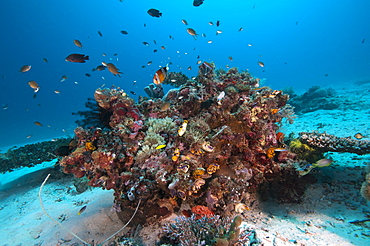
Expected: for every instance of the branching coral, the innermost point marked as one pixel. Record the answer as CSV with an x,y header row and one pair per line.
x,y
326,142
32,154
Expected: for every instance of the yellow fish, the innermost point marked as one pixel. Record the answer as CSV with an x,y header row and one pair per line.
x,y
182,128
160,146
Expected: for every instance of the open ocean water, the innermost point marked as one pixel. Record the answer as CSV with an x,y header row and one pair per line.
x,y
301,43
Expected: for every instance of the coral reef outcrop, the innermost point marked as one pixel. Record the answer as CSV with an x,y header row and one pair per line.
x,y
315,98
213,142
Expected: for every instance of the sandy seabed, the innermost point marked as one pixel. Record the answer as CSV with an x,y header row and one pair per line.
x,y
323,218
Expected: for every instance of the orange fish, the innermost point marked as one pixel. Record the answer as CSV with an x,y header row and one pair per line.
x,y
192,32
77,43
37,123
77,58
160,75
113,69
33,84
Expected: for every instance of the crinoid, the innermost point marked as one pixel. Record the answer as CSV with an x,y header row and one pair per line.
x,y
96,116
71,232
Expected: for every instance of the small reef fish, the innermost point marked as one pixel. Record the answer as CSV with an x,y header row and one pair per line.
x,y
99,68
176,154
184,22
154,13
218,23
37,123
218,32
162,47
320,163
87,75
230,58
197,3
100,34
81,210
133,92
124,32
45,60
77,43
210,23
165,106
113,69
33,84
57,92
79,58
220,97
146,43
240,29
192,32
161,146
160,75
182,128
261,64
25,68
359,136
64,77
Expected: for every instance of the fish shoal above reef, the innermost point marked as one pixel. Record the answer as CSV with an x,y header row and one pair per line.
x,y
213,144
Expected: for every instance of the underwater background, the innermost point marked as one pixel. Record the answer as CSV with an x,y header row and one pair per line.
x,y
301,43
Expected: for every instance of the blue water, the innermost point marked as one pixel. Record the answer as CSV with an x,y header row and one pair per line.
x,y
299,42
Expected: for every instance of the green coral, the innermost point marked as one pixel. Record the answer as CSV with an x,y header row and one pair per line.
x,y
153,137
166,125
305,152
197,130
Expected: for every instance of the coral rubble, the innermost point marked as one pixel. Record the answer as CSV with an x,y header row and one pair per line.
x,y
209,230
213,141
